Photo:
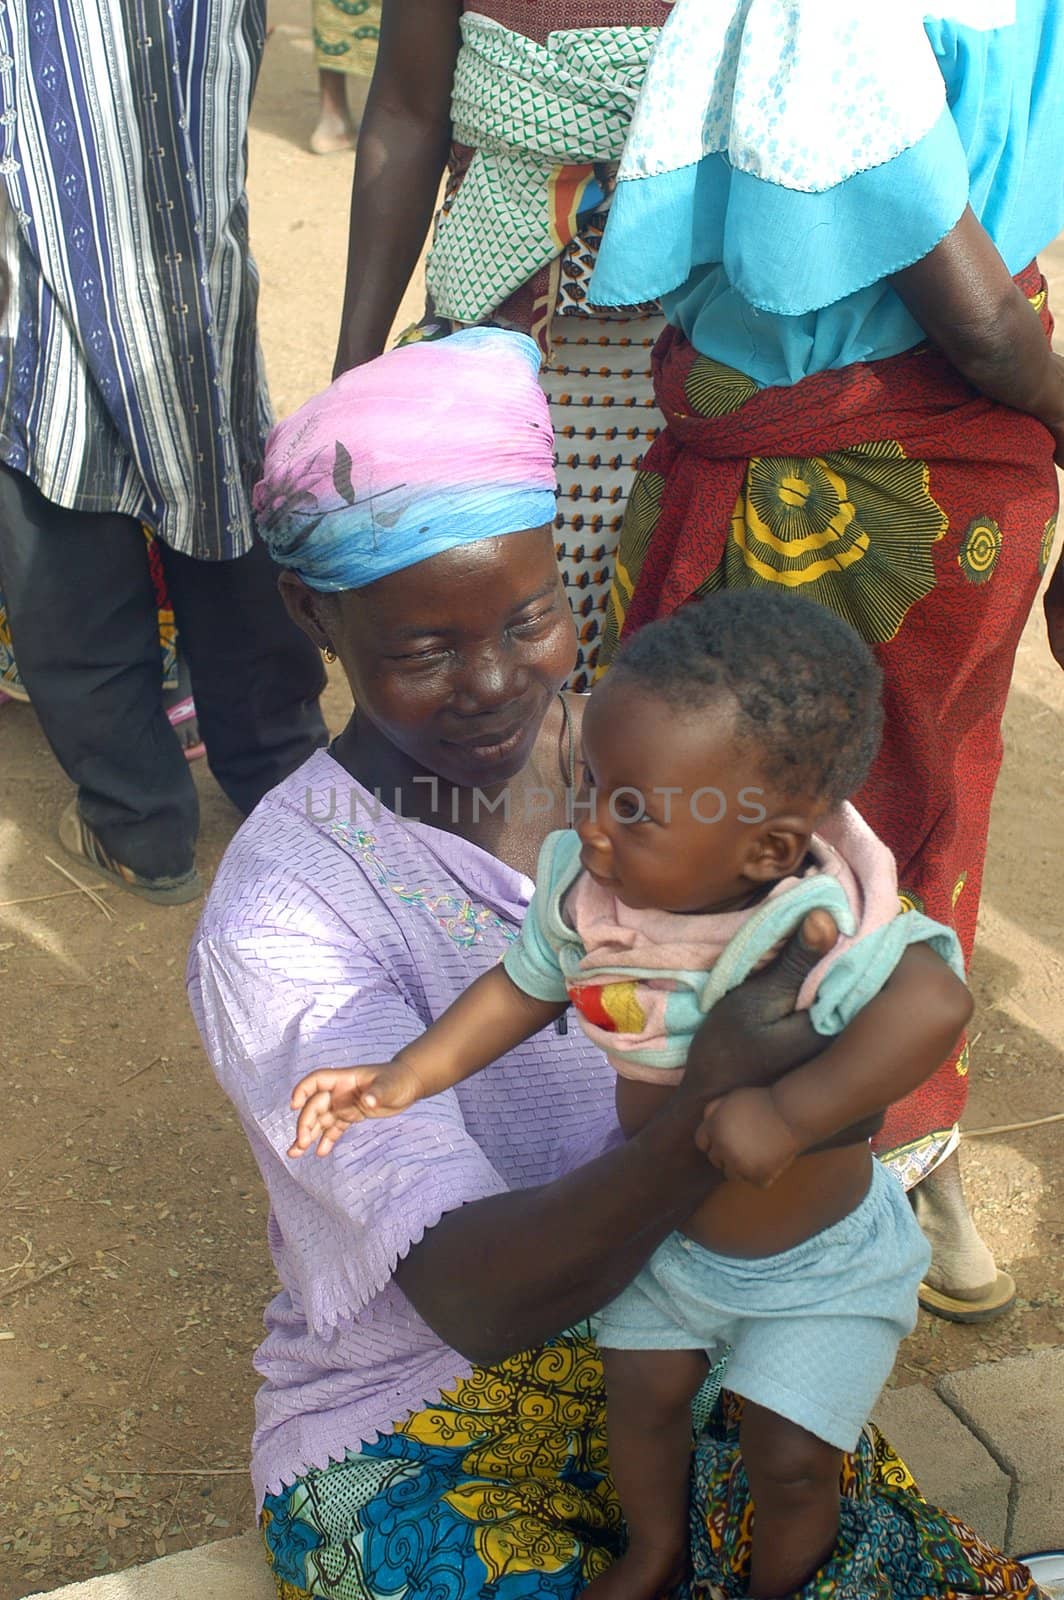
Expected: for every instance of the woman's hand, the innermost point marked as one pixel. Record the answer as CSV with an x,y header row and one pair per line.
x,y
754,1035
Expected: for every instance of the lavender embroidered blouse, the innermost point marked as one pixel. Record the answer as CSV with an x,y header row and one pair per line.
x,y
335,932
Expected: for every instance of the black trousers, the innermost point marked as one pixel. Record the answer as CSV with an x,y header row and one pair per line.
x,y
83,626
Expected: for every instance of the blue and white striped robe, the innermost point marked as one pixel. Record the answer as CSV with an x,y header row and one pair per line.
x,y
130,376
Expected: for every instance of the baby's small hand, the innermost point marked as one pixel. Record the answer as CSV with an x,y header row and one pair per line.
x,y
331,1101
746,1137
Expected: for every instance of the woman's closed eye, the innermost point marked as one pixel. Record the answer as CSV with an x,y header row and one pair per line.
x,y
529,626
430,653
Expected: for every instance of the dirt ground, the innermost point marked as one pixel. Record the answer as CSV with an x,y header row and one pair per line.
x,y
133,1267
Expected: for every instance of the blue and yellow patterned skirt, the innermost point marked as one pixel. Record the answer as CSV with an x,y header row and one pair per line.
x,y
501,1492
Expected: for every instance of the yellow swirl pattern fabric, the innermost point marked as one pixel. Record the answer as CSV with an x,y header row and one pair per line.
x,y
501,1491
853,530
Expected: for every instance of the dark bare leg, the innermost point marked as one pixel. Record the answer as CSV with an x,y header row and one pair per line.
x,y
794,1486
648,1429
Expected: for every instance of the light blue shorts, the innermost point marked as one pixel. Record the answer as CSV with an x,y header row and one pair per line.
x,y
813,1331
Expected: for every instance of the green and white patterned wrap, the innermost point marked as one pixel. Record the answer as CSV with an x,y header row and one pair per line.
x,y
526,109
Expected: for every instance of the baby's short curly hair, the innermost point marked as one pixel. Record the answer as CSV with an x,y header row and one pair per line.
x,y
806,687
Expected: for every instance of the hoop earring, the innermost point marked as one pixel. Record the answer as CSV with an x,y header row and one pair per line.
x,y
329,653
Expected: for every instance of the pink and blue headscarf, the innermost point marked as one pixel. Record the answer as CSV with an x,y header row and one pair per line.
x,y
431,446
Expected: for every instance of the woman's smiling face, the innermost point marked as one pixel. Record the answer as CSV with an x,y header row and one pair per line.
x,y
456,660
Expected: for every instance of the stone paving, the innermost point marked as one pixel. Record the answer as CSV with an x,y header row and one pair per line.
x,y
1015,1410
233,1569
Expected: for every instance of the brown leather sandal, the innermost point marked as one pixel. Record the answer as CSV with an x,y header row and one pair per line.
x,y
79,841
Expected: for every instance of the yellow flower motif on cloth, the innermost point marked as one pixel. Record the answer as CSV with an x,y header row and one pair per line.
x,y
1049,535
527,1417
522,1527
958,888
964,1062
853,530
979,551
909,900
715,390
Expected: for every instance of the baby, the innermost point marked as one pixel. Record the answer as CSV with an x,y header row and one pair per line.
x,y
719,752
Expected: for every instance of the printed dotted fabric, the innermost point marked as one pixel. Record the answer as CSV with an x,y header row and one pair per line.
x,y
605,418
345,35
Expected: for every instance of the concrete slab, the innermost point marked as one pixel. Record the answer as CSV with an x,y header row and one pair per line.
x,y
951,1467
1016,1409
232,1569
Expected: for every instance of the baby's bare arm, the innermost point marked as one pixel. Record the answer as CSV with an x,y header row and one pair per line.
x,y
492,1017
892,1046
789,1041
754,1134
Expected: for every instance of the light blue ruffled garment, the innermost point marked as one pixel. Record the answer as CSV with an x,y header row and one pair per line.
x,y
787,156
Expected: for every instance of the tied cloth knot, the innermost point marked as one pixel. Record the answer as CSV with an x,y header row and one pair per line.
x,y
427,448
539,117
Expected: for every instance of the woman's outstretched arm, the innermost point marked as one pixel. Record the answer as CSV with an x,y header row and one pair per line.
x,y
402,151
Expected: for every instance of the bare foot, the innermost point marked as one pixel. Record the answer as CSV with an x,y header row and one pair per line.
x,y
335,131
640,1574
